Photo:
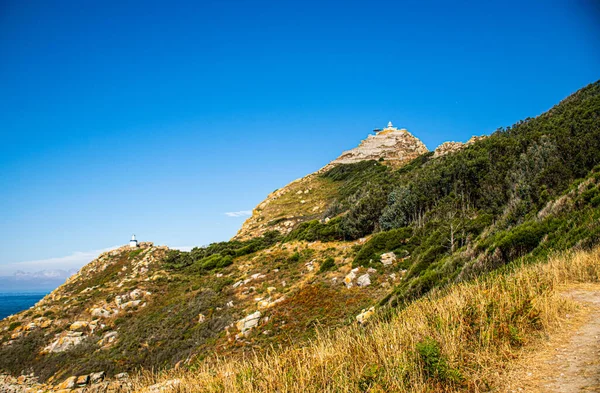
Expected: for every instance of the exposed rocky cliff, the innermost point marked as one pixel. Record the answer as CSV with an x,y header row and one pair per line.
x,y
392,145
452,147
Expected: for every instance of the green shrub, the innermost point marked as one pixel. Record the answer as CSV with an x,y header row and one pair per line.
x,y
379,243
314,230
435,365
368,378
218,255
134,253
214,261
327,264
524,238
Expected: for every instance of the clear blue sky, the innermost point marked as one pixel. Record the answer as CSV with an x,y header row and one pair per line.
x,y
157,118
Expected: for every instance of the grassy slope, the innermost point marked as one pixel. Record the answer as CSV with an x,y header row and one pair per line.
x,y
455,340
166,330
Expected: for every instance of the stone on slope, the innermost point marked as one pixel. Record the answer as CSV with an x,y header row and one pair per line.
x,y
64,342
246,324
97,377
388,258
167,386
68,383
364,280
365,315
78,325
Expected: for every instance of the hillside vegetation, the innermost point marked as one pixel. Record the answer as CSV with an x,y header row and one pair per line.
x,y
431,258
455,340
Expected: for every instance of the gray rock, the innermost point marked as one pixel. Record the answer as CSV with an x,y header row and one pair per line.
x,y
388,258
364,280
97,377
64,342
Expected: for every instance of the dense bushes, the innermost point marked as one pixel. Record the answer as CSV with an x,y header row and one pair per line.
x,y
314,230
382,242
523,238
362,194
363,216
487,194
327,264
218,255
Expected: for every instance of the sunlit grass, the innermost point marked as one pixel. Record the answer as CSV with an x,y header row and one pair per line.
x,y
457,340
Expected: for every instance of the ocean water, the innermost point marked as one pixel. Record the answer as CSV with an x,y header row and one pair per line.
x,y
11,303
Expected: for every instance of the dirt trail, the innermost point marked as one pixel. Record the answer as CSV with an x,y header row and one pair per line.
x,y
570,360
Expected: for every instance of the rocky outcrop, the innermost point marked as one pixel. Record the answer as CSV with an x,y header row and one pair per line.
x,y
453,147
393,145
248,323
64,341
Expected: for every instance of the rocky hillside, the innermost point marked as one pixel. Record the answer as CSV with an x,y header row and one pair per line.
x,y
129,309
307,198
350,241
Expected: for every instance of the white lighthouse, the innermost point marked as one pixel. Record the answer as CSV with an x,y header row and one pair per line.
x,y
133,243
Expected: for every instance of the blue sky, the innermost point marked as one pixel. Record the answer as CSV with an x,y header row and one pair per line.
x,y
158,118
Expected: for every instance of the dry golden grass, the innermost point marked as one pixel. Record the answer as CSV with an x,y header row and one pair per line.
x,y
478,326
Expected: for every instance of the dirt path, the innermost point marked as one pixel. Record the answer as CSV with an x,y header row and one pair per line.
x,y
570,360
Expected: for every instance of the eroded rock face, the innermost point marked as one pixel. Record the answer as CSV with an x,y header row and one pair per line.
x,y
392,144
248,323
452,147
64,342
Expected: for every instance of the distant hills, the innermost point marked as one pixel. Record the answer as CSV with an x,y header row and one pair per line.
x,y
40,281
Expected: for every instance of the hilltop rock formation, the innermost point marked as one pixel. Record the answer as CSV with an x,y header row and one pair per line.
x,y
396,146
307,198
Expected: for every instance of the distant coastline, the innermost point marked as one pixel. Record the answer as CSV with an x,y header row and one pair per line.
x,y
14,302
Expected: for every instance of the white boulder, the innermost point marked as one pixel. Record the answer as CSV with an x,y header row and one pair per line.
x,y
364,280
388,258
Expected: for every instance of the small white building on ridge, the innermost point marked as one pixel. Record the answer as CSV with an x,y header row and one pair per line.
x,y
133,243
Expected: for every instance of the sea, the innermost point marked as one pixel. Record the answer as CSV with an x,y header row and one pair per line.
x,y
12,303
